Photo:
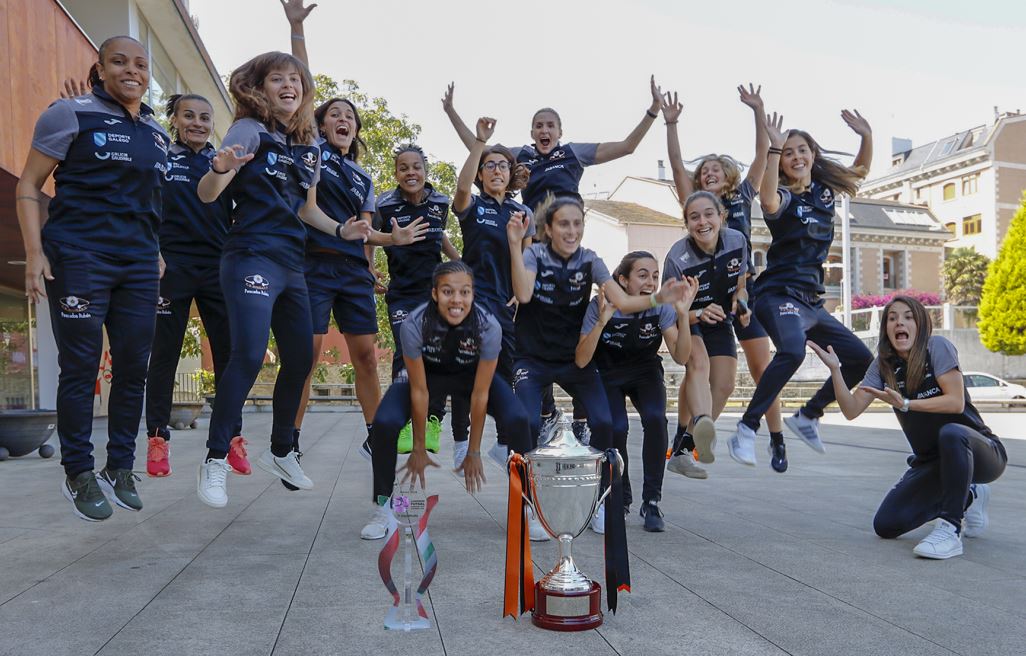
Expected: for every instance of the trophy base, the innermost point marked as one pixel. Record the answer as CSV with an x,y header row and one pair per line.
x,y
562,611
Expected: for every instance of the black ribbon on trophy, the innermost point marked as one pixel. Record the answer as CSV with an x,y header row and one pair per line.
x,y
618,568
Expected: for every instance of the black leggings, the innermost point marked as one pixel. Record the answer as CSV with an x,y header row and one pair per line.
x,y
647,391
940,487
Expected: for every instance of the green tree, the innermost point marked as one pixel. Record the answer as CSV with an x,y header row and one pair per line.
x,y
1002,322
383,132
964,273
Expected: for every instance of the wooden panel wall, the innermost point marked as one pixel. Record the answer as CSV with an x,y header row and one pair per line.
x,y
39,48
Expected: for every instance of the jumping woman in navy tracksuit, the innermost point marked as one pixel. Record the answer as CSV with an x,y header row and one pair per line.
x,y
270,166
800,216
721,175
96,261
954,454
450,346
626,350
556,168
192,234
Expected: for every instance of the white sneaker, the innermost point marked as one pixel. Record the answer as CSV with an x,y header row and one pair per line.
x,y
598,520
549,427
287,469
942,543
742,445
685,465
807,430
582,432
704,433
211,482
380,523
459,453
499,455
535,530
976,519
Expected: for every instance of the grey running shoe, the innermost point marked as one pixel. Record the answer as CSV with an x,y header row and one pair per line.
x,y
704,432
807,429
683,463
86,497
118,485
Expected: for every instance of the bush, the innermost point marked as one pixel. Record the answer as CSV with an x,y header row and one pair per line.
x,y
1002,321
863,301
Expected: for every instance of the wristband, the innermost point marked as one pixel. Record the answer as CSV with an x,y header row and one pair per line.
x,y
776,151
480,140
338,231
698,313
905,405
652,299
214,169
651,114
670,123
299,37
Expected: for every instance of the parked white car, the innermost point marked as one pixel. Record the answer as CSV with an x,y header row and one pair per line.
x,y
985,387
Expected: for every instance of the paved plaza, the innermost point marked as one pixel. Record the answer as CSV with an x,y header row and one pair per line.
x,y
752,562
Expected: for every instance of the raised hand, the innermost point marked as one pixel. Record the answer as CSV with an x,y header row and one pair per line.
x,y
447,106
415,467
606,310
657,95
295,12
516,227
473,472
356,228
414,231
828,356
775,130
857,123
751,97
74,88
485,128
229,158
672,108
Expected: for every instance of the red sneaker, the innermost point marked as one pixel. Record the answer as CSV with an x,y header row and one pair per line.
x,y
237,456
158,451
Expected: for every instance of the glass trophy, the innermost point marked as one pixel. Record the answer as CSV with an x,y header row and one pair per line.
x,y
411,508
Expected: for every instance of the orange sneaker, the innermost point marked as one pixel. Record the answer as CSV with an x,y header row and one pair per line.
x,y
158,452
237,456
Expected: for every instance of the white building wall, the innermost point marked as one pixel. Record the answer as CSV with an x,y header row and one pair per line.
x,y
606,237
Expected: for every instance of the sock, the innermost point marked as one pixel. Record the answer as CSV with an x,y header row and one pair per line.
x,y
216,455
776,438
295,440
684,441
369,427
280,450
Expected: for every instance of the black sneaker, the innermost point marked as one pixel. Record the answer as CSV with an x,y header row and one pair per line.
x,y
118,485
86,497
778,457
653,517
365,449
299,456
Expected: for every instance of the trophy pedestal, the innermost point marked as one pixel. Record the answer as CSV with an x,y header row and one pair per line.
x,y
567,611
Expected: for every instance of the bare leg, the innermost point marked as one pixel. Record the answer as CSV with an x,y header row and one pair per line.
x,y
365,365
318,341
758,356
696,384
722,372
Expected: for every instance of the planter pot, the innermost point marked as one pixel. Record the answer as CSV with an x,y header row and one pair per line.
x,y
183,415
25,431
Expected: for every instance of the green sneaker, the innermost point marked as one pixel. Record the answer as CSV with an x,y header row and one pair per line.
x,y
86,497
434,432
405,444
119,486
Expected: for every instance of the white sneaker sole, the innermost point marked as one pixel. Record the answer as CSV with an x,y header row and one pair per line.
x,y
213,503
274,469
366,535
705,440
936,556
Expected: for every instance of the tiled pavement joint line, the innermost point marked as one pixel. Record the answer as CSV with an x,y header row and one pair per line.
x,y
191,560
858,609
904,452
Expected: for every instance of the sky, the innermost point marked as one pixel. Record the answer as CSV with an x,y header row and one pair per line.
x,y
918,69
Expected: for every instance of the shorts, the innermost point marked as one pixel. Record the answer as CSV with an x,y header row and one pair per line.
x,y
718,339
344,286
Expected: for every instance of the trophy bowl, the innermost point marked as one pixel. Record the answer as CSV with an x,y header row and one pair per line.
x,y
564,481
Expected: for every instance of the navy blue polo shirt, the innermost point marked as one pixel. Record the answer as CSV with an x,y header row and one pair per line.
x,y
109,177
486,246
558,173
739,214
448,349
548,327
629,340
802,229
717,273
191,230
344,191
268,192
410,267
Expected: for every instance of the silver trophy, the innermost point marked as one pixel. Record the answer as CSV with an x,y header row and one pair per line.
x,y
564,481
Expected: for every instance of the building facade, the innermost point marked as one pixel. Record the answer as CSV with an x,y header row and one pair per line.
x,y
972,181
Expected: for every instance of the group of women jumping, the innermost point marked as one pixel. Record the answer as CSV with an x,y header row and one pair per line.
x,y
276,229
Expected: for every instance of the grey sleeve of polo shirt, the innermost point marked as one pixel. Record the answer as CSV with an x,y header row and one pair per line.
x,y
491,338
246,133
585,152
746,191
670,267
667,317
531,228
599,271
943,355
55,130
872,377
784,194
591,316
531,258
411,333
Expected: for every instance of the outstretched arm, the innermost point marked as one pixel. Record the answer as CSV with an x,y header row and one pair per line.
x,y
768,196
465,181
852,405
671,292
296,13
419,460
473,471
464,132
861,127
672,109
607,152
752,98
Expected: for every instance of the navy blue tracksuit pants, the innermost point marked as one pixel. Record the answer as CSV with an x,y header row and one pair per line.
x,y
261,295
530,378
90,291
394,412
398,309
790,318
645,387
182,283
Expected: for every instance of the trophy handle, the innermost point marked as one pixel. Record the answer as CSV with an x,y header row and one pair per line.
x,y
609,488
